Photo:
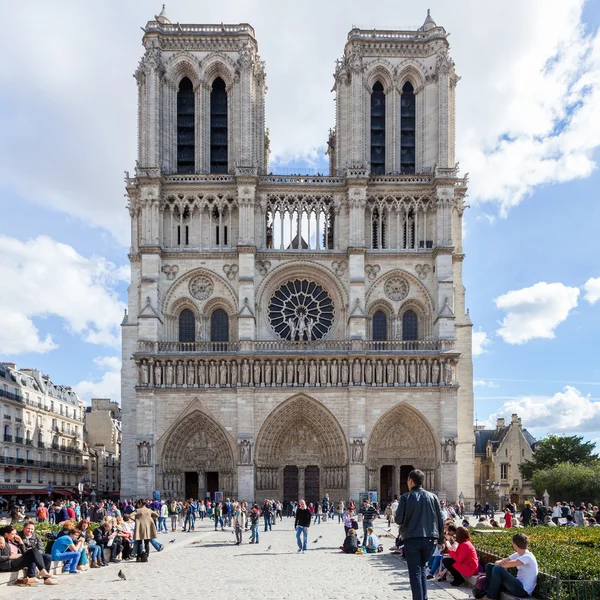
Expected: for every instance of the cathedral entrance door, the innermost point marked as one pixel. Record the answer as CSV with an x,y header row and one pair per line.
x,y
290,484
311,484
404,471
212,484
386,485
191,484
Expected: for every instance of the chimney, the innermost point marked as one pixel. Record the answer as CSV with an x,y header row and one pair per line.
x,y
10,365
515,419
500,422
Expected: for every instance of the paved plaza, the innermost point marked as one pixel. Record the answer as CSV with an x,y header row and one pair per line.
x,y
210,563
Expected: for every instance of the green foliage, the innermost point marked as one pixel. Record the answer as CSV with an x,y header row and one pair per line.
x,y
570,482
565,552
560,448
43,528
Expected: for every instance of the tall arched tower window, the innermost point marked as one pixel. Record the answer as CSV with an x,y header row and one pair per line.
x,y
185,127
187,326
410,328
379,326
219,326
218,127
407,129
377,130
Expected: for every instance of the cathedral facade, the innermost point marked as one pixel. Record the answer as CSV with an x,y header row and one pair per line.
x,y
294,335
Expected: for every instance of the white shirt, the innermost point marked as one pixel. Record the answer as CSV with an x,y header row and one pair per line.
x,y
394,506
527,572
164,511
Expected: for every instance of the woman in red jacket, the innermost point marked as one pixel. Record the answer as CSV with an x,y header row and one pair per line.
x,y
463,561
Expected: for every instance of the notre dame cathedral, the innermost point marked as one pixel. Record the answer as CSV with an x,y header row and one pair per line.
x,y
289,336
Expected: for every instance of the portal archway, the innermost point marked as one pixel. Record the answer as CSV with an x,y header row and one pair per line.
x,y
197,458
301,439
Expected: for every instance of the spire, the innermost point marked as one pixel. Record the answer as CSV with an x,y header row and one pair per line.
x,y
163,19
429,23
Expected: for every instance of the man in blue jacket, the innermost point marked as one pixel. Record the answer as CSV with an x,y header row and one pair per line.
x,y
421,525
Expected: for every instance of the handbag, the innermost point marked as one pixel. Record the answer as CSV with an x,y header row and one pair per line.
x,y
480,583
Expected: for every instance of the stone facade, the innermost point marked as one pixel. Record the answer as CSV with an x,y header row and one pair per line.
x,y
294,335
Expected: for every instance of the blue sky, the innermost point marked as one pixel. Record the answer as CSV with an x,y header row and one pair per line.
x,y
527,133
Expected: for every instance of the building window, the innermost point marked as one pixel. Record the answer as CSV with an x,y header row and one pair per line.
x,y
185,127
380,326
504,471
219,326
407,129
377,130
218,127
187,326
40,477
410,327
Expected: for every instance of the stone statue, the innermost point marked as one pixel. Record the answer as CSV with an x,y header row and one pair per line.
x,y
423,373
190,374
144,374
390,371
323,373
234,374
358,451
289,375
292,326
245,372
402,373
356,377
144,454
169,374
312,373
268,370
223,374
245,452
212,373
309,328
180,374
157,374
256,372
345,373
412,373
450,450
301,373
368,373
448,373
334,372
435,373
279,373
379,373
201,373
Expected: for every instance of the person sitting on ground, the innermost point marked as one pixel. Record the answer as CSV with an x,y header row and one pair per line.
x,y
498,579
462,562
466,523
372,544
350,545
496,525
30,540
68,548
14,557
483,523
450,537
549,522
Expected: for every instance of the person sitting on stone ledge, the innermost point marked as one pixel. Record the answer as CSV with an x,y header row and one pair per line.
x,y
31,539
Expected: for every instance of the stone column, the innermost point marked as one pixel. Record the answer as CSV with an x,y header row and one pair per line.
x,y
301,487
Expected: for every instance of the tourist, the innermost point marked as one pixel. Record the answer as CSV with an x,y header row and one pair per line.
x,y
372,544
41,514
301,525
570,522
462,562
341,511
14,557
30,540
507,518
498,579
389,514
217,514
90,544
526,514
369,514
549,522
124,529
420,519
318,513
266,515
201,510
173,515
579,516
254,521
162,520
350,545
104,536
349,520
68,548
225,517
239,522
556,513
144,531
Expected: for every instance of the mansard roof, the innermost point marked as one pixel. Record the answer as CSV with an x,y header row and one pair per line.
x,y
496,437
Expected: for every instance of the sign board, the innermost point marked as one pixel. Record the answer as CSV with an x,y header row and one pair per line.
x,y
370,496
218,496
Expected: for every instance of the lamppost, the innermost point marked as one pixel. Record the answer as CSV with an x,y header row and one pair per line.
x,y
492,488
80,487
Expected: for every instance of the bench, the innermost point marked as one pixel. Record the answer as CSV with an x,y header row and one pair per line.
x,y
10,578
503,595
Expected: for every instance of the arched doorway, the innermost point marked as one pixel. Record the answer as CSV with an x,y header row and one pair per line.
x,y
301,452
197,459
401,440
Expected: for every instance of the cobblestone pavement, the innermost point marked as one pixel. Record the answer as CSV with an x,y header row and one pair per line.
x,y
206,562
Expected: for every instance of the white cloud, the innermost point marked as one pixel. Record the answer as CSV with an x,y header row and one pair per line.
x,y
480,342
568,411
592,290
45,278
108,386
485,383
525,115
536,311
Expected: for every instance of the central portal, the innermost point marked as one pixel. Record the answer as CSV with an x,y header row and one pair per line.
x,y
311,484
386,485
290,484
191,484
212,484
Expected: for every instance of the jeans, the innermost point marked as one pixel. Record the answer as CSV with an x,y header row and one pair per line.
x,y
142,547
71,558
254,532
96,552
267,518
417,552
366,525
190,522
47,558
218,521
317,517
162,524
173,522
302,531
340,517
434,564
156,545
498,579
238,534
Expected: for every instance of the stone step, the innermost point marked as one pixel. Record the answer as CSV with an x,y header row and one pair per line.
x,y
503,595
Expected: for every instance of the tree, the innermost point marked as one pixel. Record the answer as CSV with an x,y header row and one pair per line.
x,y
567,482
558,449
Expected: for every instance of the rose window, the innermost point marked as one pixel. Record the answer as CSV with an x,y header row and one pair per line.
x,y
301,310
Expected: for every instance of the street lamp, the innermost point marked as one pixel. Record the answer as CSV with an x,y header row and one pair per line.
x,y
80,487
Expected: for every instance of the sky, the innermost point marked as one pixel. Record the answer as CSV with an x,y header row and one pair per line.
x,y
528,135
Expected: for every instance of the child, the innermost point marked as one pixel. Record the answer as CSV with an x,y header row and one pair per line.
x,y
372,544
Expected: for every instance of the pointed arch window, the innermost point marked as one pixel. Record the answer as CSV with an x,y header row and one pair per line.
x,y
407,129
218,127
219,326
377,129
380,326
185,127
187,326
410,328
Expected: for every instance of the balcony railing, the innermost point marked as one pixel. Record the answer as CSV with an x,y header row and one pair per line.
x,y
7,438
9,460
11,395
18,440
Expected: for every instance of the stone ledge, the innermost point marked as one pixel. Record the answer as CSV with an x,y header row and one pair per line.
x,y
503,595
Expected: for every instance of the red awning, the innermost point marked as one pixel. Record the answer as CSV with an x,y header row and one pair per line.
x,y
62,492
23,492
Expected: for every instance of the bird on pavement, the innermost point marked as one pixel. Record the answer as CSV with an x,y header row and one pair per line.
x,y
122,575
315,541
172,542
268,548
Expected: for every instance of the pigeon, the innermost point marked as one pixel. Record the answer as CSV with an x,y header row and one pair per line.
x,y
268,548
315,541
320,537
172,542
122,575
